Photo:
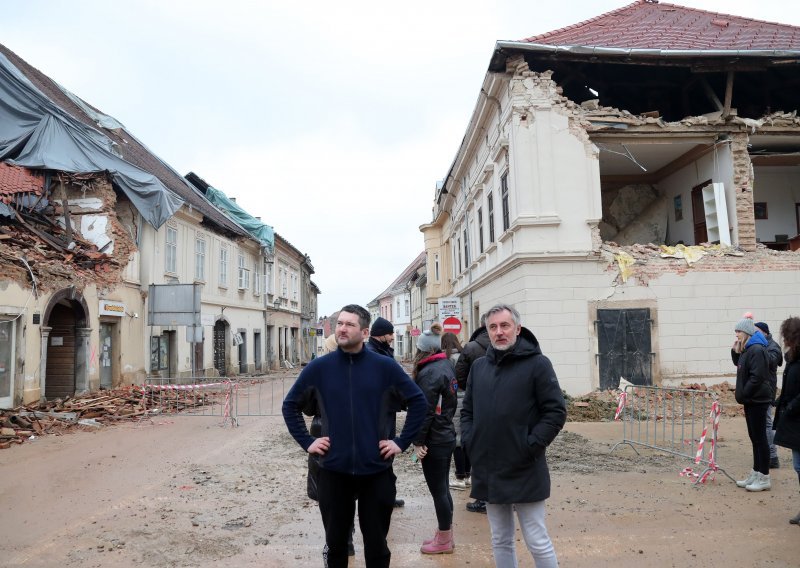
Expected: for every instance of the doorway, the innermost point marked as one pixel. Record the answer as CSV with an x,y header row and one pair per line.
x,y
220,355
107,355
7,349
257,350
624,347
699,214
243,352
60,370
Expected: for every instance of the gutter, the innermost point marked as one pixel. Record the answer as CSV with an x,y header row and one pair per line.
x,y
643,53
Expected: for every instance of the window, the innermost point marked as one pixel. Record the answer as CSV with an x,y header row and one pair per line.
x,y
295,282
480,230
408,304
171,250
268,278
490,214
283,282
458,247
466,248
223,266
504,199
436,266
244,274
257,277
200,260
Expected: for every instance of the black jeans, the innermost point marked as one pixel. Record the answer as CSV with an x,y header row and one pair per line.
x,y
756,417
461,459
375,493
436,468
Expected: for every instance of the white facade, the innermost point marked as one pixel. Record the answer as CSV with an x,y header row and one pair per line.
x,y
520,218
230,275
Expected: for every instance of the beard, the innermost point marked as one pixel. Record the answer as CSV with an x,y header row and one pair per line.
x,y
346,342
505,347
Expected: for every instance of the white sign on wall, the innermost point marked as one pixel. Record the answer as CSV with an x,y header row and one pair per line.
x,y
111,308
449,307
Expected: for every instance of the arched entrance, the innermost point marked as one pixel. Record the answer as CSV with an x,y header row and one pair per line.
x,y
65,340
220,355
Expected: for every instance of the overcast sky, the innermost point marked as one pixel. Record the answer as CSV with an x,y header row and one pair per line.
x,y
330,120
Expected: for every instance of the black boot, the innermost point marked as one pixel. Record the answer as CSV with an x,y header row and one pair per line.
x,y
477,506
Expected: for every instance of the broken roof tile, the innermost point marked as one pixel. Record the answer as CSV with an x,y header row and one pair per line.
x,y
15,180
655,25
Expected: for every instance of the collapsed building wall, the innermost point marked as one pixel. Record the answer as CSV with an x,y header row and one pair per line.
x,y
63,251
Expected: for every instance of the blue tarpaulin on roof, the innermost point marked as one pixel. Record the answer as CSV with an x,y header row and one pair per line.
x,y
38,134
264,233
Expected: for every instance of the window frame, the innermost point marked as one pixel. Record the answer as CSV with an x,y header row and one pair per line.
x,y
504,201
222,277
490,215
200,259
171,250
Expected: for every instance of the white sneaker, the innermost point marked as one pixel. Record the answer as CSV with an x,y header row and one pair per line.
x,y
750,479
762,483
468,481
458,484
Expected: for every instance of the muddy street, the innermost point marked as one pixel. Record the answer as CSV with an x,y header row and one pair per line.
x,y
184,490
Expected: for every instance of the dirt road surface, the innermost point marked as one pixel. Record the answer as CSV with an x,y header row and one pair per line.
x,y
175,491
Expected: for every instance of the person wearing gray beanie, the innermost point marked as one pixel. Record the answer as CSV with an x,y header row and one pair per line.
x,y
429,342
747,326
755,393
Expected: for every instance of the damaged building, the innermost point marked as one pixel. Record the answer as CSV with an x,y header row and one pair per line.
x,y
91,225
631,184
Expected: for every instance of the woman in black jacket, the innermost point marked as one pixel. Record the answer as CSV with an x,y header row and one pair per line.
x,y
787,415
754,391
436,440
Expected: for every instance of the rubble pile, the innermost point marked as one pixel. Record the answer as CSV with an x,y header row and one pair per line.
x,y
90,410
42,255
601,405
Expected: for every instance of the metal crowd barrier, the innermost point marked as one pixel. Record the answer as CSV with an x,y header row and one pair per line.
x,y
262,396
681,422
190,396
225,397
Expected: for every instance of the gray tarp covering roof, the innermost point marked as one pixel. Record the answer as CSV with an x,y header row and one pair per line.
x,y
36,133
264,233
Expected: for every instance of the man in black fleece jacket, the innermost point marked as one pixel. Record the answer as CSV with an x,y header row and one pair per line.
x,y
354,388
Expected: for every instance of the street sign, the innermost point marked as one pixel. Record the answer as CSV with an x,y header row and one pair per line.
x,y
450,307
452,324
415,332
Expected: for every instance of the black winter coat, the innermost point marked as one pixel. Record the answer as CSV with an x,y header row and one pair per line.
x,y
436,378
474,349
753,384
787,415
513,410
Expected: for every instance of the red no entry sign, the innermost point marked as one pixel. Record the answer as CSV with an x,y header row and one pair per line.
x,y
452,324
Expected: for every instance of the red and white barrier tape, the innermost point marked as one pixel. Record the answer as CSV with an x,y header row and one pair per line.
x,y
227,413
184,387
712,468
621,404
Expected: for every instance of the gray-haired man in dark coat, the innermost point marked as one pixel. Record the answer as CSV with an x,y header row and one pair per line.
x,y
513,410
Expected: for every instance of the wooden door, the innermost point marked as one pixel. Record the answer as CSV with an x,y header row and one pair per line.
x,y
60,373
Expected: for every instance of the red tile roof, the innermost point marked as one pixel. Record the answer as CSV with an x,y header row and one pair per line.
x,y
648,24
14,180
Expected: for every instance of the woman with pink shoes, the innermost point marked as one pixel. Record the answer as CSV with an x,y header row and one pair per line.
x,y
434,444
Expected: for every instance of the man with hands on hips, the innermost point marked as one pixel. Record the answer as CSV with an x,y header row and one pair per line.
x,y
354,388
